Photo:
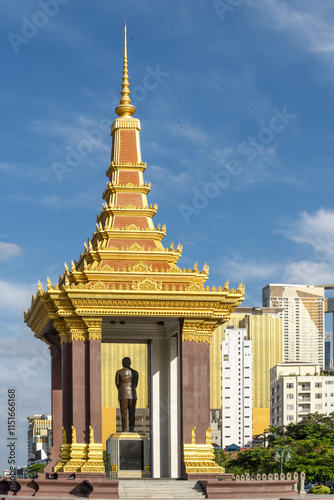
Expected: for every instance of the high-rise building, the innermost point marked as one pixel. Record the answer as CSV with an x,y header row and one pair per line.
x,y
327,354
265,329
303,320
298,389
39,438
237,388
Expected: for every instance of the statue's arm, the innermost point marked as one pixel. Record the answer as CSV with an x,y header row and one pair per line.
x,y
136,378
117,379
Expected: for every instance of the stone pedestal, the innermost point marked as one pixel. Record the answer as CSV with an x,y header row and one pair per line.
x,y
129,455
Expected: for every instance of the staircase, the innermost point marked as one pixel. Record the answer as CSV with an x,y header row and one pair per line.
x,y
159,488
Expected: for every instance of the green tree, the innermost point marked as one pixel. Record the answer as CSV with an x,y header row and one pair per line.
x,y
35,469
106,460
312,450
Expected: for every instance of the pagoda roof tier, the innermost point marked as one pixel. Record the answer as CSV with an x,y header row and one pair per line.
x,y
130,232
141,167
130,210
68,303
116,188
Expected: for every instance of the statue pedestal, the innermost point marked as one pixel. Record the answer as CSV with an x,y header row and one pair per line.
x,y
129,455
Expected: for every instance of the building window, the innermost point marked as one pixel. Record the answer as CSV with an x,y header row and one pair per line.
x,y
289,407
289,418
225,357
318,395
318,384
289,386
318,407
290,396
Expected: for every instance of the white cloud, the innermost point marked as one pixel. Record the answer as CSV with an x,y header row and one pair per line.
x,y
315,229
311,25
245,270
9,250
15,297
26,171
25,366
81,199
164,181
308,272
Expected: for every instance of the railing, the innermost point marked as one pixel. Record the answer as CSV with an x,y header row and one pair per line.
x,y
267,477
276,477
304,409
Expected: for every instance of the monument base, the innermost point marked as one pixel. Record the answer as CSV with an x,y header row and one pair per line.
x,y
199,462
128,455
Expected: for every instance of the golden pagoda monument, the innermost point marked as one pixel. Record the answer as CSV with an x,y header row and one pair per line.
x,y
125,287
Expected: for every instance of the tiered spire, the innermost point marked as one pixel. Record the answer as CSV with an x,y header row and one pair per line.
x,y
125,251
124,266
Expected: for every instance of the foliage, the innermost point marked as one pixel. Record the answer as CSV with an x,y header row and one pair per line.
x,y
252,461
106,460
312,450
320,489
34,469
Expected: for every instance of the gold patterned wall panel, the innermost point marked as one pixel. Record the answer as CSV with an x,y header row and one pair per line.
x,y
266,333
111,361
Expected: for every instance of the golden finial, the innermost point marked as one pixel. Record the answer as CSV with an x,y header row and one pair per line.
x,y
125,108
208,436
74,435
193,435
91,435
64,439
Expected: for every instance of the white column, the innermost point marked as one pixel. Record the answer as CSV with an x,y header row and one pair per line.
x,y
155,410
173,409
160,408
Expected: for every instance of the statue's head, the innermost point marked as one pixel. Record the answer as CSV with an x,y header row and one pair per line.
x,y
126,362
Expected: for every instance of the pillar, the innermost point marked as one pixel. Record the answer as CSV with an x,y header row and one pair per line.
x,y
81,449
198,459
196,389
56,398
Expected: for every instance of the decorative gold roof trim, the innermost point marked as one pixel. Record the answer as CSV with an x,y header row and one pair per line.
x,y
113,167
125,124
125,189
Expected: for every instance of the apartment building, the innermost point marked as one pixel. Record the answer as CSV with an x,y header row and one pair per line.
x,y
298,389
237,388
302,311
39,438
265,330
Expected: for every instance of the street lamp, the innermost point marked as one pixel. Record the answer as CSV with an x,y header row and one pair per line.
x,y
282,452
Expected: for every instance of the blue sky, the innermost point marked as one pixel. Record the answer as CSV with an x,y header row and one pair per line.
x,y
235,99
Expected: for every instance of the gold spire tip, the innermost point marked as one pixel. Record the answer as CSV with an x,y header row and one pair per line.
x,y
125,108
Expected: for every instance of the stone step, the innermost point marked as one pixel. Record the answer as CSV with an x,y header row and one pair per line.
x,y
159,488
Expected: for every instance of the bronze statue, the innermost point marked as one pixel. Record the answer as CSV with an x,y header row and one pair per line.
x,y
126,383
